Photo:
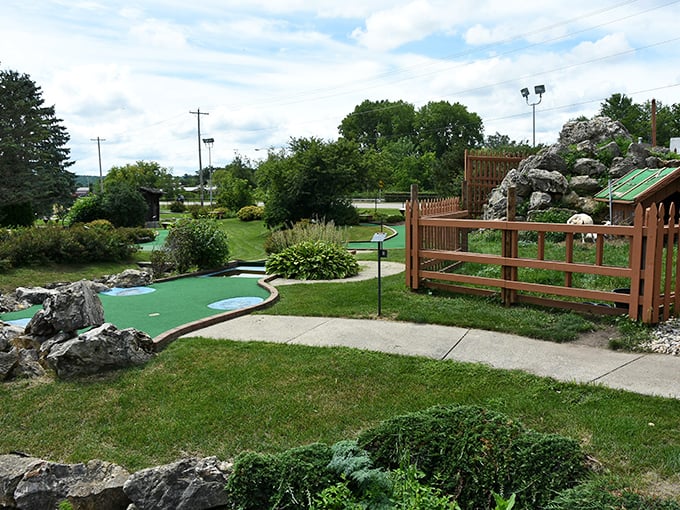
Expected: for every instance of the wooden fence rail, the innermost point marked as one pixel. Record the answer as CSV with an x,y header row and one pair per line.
x,y
437,246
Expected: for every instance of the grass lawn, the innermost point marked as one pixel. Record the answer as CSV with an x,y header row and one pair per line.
x,y
217,397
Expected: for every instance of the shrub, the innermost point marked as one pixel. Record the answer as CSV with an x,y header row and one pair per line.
x,y
124,206
177,207
77,244
250,213
85,210
302,231
313,260
198,211
283,481
101,224
471,453
198,244
592,497
551,215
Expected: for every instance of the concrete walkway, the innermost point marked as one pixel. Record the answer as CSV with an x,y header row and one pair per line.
x,y
648,374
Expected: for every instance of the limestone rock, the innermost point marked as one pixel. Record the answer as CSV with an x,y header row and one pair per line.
x,y
584,185
589,167
7,333
189,484
596,130
8,361
130,278
100,349
27,365
74,307
12,470
34,295
95,485
539,200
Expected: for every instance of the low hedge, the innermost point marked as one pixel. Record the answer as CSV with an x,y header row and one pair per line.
x,y
470,453
313,260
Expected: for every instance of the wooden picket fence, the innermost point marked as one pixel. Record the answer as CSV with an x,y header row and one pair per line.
x,y
484,170
437,245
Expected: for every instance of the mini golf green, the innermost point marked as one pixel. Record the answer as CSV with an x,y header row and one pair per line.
x,y
395,242
173,303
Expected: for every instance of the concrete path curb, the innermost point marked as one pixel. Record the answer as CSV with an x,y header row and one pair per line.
x,y
648,374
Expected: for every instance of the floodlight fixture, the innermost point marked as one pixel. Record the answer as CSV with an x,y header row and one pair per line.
x,y
539,90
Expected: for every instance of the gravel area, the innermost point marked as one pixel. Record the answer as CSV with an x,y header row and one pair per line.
x,y
665,338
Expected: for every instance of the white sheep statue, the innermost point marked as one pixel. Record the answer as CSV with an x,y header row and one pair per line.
x,y
582,219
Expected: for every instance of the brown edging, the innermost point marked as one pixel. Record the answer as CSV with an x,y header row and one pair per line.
x,y
164,339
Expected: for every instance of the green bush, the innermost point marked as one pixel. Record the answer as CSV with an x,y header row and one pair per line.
x,y
302,231
124,206
471,453
85,210
198,211
284,481
593,497
250,213
77,244
193,243
313,260
177,207
551,215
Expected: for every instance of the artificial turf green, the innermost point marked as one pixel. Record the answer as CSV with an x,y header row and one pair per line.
x,y
172,304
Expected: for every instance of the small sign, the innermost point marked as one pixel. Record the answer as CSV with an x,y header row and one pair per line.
x,y
382,253
378,237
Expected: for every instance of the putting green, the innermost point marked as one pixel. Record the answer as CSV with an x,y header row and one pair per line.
x,y
172,304
394,242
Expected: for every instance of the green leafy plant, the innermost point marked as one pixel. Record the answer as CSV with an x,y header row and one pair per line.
x,y
250,213
195,243
177,207
313,260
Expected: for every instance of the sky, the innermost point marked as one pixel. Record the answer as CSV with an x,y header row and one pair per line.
x,y
264,71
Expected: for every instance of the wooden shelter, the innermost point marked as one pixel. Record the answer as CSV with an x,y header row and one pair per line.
x,y
153,198
644,186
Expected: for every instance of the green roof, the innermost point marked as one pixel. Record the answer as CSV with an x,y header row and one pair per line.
x,y
636,183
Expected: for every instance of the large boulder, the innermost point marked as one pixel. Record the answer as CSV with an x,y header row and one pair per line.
x,y
130,278
100,349
595,130
28,482
190,484
74,307
34,295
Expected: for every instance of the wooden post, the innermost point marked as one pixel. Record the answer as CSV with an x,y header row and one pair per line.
x,y
413,240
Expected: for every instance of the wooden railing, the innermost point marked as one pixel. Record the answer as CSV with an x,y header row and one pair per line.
x,y
436,247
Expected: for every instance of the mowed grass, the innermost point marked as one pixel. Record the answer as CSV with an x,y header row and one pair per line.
x,y
217,397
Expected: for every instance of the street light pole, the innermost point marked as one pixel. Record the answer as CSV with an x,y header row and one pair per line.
x,y
209,143
99,153
539,90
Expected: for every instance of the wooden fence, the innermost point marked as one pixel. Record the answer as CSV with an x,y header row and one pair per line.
x,y
437,248
484,170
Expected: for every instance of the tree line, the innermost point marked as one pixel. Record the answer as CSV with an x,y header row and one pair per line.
x,y
382,146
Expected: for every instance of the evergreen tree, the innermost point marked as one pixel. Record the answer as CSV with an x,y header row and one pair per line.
x,y
33,154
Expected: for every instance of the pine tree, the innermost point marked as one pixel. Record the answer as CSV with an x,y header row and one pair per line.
x,y
33,155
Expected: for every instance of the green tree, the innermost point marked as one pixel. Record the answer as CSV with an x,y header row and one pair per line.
x,y
232,192
447,130
33,155
147,174
124,205
313,180
621,107
375,121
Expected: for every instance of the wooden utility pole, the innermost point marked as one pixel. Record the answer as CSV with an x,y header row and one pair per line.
x,y
198,114
99,153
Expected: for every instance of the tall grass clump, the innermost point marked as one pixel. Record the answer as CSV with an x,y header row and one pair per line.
x,y
303,231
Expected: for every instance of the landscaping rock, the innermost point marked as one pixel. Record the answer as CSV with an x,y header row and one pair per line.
x,y
100,349
43,484
75,307
595,130
8,361
34,295
130,278
589,167
190,484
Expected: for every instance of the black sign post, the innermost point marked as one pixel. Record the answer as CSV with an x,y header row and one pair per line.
x,y
379,237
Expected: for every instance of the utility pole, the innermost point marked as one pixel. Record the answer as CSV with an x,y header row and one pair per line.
x,y
198,114
99,153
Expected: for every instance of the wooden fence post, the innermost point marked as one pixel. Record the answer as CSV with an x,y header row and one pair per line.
x,y
413,240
